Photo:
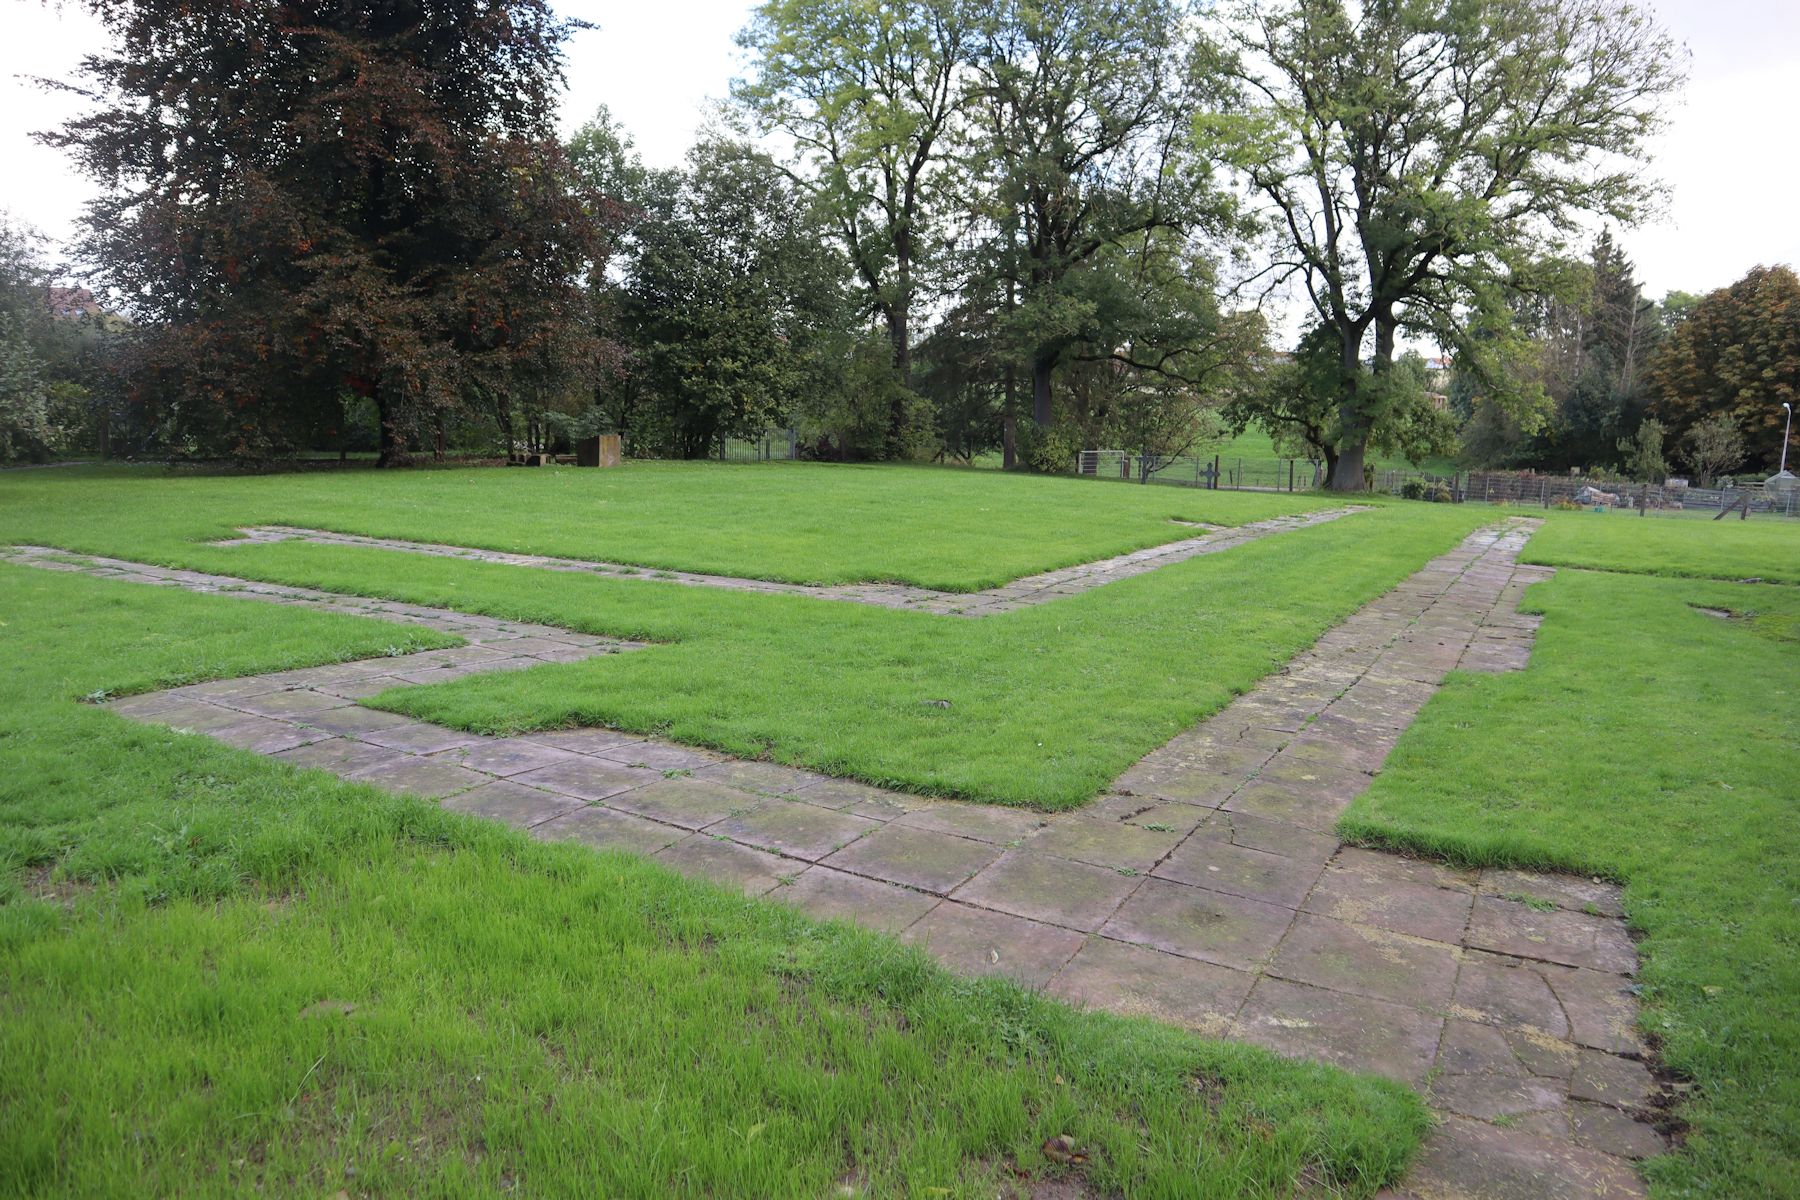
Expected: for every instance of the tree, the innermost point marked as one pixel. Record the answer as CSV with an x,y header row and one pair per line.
x,y
310,201
1643,452
1737,354
1082,139
1591,339
869,94
1714,445
1416,159
730,301
1299,403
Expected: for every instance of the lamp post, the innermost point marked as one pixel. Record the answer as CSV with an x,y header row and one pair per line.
x,y
1787,435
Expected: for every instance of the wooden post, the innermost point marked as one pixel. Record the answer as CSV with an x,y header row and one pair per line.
x,y
1290,474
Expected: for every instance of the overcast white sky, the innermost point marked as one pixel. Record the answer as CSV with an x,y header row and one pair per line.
x,y
1728,156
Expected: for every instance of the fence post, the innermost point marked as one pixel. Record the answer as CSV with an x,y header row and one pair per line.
x,y
1213,479
1290,474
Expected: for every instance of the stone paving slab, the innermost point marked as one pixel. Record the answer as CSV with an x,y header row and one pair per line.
x,y
1020,593
1206,889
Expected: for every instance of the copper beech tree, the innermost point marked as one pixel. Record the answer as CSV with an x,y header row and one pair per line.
x,y
306,201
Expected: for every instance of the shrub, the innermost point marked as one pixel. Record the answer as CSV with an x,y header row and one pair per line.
x,y
1047,451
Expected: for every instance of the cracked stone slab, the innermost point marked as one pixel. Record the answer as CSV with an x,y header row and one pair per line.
x,y
1138,981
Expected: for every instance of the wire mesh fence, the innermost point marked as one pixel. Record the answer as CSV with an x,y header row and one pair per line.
x,y
1598,494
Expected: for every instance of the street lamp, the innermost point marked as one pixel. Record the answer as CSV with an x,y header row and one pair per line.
x,y
1787,435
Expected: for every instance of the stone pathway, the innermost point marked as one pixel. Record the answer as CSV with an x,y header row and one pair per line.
x,y
1032,589
1206,889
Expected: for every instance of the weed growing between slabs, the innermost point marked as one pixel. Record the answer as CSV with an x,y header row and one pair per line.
x,y
1045,706
1651,742
220,974
797,522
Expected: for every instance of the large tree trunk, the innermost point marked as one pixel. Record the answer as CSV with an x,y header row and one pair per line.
x,y
392,447
899,339
1347,470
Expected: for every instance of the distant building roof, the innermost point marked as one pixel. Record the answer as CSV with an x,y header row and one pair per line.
x,y
71,302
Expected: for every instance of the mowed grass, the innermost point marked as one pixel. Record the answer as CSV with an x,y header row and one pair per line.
x,y
798,522
1652,743
1764,547
1041,707
220,976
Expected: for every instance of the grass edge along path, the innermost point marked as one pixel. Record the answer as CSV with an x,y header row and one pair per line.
x,y
806,523
1649,742
1045,706
221,973
1767,548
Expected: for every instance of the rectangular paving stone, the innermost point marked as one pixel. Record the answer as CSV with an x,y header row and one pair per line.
x,y
1220,928
974,941
1601,1008
864,800
1494,1097
288,703
729,865
504,757
512,804
1612,1131
1384,900
830,895
1294,804
1572,938
355,721
1509,993
1367,962
984,823
1593,896
413,775
585,741
265,735
1136,981
768,778
1198,787
1223,867
791,827
608,829
417,737
589,778
340,756
1468,1158
1111,844
1271,837
661,756
918,858
197,716
689,803
1046,888
1356,1032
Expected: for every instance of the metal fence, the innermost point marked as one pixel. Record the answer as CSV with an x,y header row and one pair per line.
x,y
1618,495
1493,487
771,445
1268,475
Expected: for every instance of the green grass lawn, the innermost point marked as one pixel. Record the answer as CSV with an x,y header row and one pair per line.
x,y
799,522
1046,705
1652,743
221,976
1763,547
